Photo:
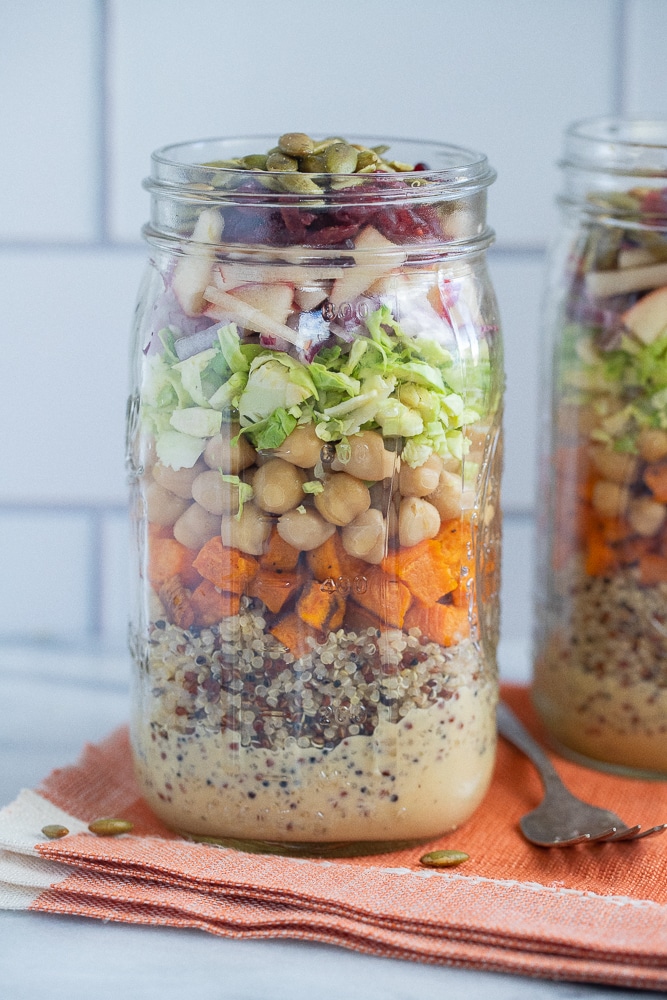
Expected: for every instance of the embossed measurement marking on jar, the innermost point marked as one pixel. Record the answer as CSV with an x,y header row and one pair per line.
x,y
347,311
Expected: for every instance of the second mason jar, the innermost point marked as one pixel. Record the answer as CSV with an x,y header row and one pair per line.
x,y
601,644
314,448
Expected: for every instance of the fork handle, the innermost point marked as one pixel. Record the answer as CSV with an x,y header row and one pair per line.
x,y
510,727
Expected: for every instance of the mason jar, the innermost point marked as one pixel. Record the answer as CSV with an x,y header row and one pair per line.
x,y
600,681
314,449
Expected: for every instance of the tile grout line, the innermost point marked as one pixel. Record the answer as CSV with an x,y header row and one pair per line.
x,y
103,108
95,609
620,57
66,507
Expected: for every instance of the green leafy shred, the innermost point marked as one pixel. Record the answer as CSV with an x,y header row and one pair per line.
x,y
633,372
314,486
246,491
404,386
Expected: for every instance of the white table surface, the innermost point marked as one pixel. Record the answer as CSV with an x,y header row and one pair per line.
x,y
51,701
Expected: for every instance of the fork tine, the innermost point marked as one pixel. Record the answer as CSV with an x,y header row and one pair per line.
x,y
605,835
652,830
622,833
585,838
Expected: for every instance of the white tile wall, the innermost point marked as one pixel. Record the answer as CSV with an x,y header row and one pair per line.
x,y
66,317
646,85
47,575
48,120
90,87
501,77
517,279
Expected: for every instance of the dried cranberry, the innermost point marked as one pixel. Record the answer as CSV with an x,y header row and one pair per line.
x,y
331,236
655,202
296,222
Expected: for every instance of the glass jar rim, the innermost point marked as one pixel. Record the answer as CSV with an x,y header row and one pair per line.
x,y
180,170
634,147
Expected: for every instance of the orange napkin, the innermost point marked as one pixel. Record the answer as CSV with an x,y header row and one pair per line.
x,y
593,914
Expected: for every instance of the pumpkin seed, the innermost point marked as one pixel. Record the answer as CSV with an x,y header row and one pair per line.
x,y
54,830
227,164
296,144
312,164
300,184
443,859
296,152
110,827
400,167
348,181
340,158
254,161
267,180
279,162
323,144
366,158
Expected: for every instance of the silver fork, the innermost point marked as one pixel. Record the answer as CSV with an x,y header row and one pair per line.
x,y
561,819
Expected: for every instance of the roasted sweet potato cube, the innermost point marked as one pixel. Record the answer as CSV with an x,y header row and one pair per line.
x,y
279,555
210,606
226,568
384,596
321,608
294,633
274,589
445,624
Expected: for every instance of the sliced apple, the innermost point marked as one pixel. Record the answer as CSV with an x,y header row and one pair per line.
x,y
308,299
647,319
375,256
193,271
635,257
233,273
223,280
603,284
274,301
229,308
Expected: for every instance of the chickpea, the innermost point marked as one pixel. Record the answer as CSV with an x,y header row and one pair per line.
x,y
214,494
163,507
342,498
278,486
417,520
302,447
447,498
178,481
369,459
304,529
652,442
610,499
220,453
365,537
646,516
452,464
194,528
249,532
617,466
422,481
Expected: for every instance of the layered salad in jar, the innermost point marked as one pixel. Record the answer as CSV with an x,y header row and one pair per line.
x,y
601,657
315,455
